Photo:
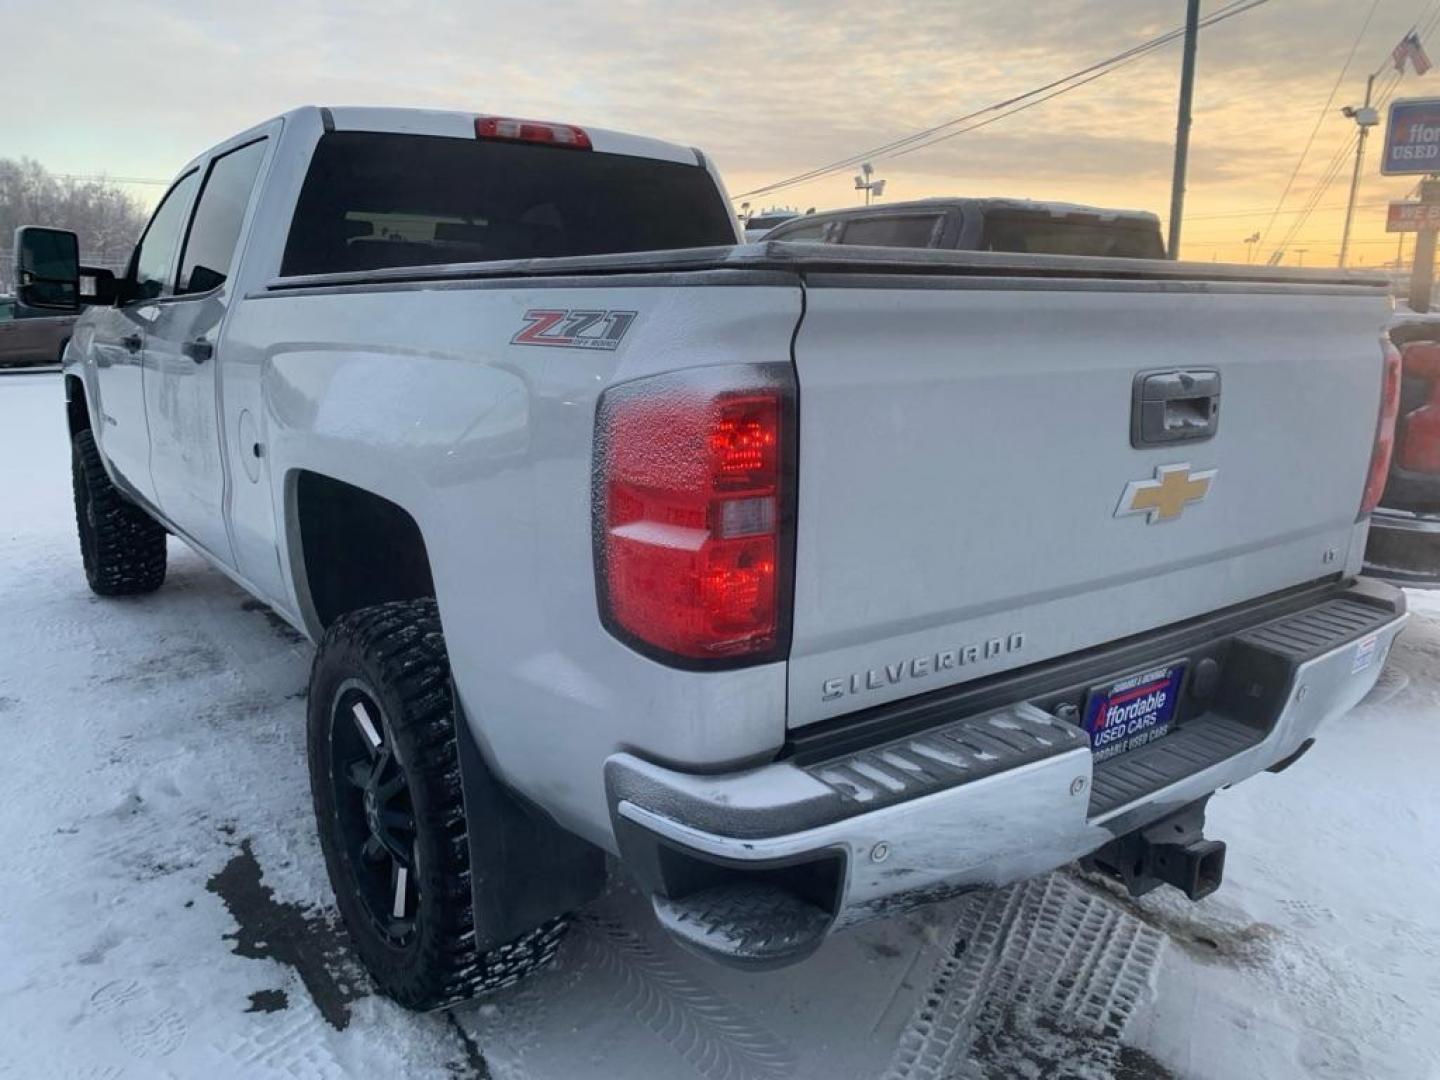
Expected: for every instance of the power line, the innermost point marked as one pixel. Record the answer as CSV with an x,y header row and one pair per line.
x,y
1100,68
1079,78
1331,172
103,178
1341,156
1259,211
1019,108
1309,241
1324,111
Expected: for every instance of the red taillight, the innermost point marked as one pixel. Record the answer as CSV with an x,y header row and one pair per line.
x,y
508,129
1418,438
1384,430
692,533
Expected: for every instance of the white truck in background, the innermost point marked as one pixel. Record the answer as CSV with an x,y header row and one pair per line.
x,y
810,582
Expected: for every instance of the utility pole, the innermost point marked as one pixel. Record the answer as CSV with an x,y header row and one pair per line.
x,y
1422,272
1365,118
1300,256
1182,125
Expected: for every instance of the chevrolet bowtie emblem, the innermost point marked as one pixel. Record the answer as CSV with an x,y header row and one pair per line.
x,y
1165,497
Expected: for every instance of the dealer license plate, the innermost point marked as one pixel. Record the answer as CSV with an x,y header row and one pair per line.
x,y
1134,711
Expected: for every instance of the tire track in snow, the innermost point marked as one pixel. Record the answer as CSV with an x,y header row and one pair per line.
x,y
713,1034
1046,972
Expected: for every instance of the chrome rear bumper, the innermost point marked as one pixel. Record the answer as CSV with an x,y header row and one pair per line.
x,y
982,800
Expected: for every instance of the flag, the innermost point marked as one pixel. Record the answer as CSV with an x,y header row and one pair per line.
x,y
1410,49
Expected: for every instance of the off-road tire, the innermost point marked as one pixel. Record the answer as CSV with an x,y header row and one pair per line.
x,y
122,546
396,652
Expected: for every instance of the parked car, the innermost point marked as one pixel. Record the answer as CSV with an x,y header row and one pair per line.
x,y
498,415
1011,225
28,339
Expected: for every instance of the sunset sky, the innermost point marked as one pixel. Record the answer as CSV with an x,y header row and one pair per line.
x,y
769,90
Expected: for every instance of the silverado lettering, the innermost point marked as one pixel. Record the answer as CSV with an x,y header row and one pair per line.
x,y
920,666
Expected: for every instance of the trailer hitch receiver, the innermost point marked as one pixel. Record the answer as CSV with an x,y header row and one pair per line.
x,y
1172,851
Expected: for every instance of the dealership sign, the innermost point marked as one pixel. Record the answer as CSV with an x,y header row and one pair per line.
x,y
1412,137
1412,217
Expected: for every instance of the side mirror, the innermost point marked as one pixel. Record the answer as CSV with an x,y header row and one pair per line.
x,y
47,268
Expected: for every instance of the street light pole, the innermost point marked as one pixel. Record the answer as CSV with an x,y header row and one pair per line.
x,y
1182,124
1365,118
865,183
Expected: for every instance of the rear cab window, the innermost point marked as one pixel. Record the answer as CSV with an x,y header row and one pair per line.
x,y
894,230
1043,234
375,200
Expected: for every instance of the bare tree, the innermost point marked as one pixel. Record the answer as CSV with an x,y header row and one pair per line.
x,y
107,218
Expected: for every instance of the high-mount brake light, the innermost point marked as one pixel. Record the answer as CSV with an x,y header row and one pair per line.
x,y
509,129
1384,430
694,534
1418,438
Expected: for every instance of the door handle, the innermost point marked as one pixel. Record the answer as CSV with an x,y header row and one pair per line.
x,y
132,342
1174,407
199,350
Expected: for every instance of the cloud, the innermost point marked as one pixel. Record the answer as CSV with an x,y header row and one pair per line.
x,y
767,89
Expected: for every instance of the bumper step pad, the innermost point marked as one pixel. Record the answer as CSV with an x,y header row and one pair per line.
x,y
745,923
1309,633
1266,658
1195,746
957,753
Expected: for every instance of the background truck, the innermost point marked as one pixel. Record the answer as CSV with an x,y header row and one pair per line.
x,y
971,224
811,582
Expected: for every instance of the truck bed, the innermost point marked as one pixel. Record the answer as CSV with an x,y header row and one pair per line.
x,y
963,442
809,259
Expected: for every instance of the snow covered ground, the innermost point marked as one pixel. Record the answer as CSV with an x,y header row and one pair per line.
x,y
164,910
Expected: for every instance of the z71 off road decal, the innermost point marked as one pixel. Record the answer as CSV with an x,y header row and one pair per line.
x,y
573,328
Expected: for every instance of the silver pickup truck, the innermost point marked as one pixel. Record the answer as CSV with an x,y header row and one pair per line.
x,y
810,582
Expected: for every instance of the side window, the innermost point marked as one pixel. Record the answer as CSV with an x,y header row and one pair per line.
x,y
893,230
215,229
154,265
7,310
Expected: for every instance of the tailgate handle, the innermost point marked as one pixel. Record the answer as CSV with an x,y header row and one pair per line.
x,y
1174,407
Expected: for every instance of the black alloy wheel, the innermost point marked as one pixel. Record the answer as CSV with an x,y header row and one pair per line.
x,y
390,808
374,812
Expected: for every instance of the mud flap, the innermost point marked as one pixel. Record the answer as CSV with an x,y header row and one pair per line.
x,y
524,869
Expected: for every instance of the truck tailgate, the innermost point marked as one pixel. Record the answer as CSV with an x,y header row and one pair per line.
x,y
965,451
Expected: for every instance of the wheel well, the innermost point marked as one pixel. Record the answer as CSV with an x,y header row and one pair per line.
x,y
77,414
358,549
